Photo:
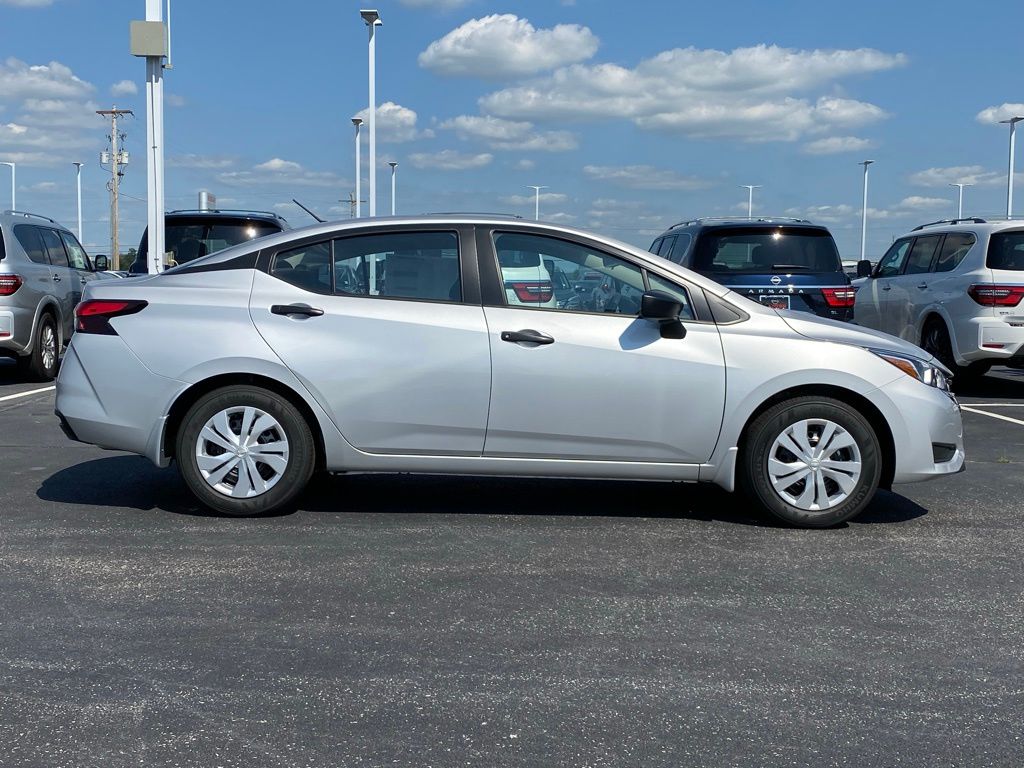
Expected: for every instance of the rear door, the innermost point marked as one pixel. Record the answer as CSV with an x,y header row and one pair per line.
x,y
386,331
64,287
82,271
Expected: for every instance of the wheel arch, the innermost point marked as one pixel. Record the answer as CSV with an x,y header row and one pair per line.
x,y
47,306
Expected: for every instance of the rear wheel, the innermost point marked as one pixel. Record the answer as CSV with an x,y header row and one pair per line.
x,y
935,339
41,365
811,461
245,451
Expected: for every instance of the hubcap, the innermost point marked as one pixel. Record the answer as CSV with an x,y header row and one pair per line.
x,y
814,464
49,346
242,452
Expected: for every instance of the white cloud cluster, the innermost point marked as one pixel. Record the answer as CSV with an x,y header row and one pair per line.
x,y
976,175
278,171
124,88
27,3
834,145
1000,112
395,124
201,162
644,177
545,197
507,135
911,208
449,160
504,45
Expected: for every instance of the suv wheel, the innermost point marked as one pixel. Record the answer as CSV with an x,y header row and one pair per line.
x,y
42,364
935,339
811,461
245,451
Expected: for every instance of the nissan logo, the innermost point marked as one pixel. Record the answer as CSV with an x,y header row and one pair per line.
x,y
776,279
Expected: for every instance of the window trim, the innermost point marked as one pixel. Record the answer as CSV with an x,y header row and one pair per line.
x,y
878,267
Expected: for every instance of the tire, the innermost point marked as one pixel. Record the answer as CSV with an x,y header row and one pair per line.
x,y
935,339
256,481
42,364
838,492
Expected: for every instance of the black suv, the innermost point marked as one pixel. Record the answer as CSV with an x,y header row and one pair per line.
x,y
191,234
782,263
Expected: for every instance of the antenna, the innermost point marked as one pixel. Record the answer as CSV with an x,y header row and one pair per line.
x,y
308,211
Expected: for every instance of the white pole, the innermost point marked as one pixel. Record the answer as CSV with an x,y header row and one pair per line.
x,y
960,197
356,121
78,184
750,197
864,213
372,19
155,155
1009,174
536,199
14,203
394,173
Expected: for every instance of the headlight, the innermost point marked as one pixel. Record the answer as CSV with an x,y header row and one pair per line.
x,y
925,372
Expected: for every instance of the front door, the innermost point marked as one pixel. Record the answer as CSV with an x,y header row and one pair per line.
x,y
376,327
872,303
600,383
911,289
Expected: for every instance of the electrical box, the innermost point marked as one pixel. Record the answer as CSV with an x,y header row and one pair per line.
x,y
148,38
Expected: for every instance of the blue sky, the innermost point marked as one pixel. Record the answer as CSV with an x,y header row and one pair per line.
x,y
633,118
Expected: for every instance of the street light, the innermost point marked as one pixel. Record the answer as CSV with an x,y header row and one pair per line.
x,y
750,197
78,183
536,208
960,197
393,165
864,212
372,19
358,121
1012,122
14,205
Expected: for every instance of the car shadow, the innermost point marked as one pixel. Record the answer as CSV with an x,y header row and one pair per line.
x,y
133,482
1009,383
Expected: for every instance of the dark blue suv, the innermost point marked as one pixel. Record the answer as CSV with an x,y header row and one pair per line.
x,y
782,263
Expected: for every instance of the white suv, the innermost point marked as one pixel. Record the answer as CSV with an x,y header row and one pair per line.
x,y
956,289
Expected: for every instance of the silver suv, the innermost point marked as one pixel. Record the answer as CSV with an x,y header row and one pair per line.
x,y
43,269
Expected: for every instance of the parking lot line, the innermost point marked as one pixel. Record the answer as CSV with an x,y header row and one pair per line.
x,y
993,415
996,405
27,394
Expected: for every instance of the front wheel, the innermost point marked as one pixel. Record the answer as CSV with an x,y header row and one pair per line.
x,y
245,451
812,462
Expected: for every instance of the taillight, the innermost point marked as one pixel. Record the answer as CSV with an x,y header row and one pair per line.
x,y
840,297
996,295
9,284
533,291
93,316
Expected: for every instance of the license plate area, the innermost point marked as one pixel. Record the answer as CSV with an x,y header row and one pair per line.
x,y
775,302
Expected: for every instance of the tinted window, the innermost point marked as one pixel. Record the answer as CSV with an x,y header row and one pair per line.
x,y
76,253
602,283
1006,251
28,237
892,263
766,249
656,246
54,247
188,238
679,247
954,248
658,284
308,267
921,255
401,265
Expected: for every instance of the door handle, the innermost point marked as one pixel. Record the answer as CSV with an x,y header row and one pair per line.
x,y
296,309
922,286
886,287
527,335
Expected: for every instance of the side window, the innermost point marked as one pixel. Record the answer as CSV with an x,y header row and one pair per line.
x,y
54,247
666,247
28,237
660,284
600,282
892,263
76,253
656,246
307,267
954,248
680,247
922,253
399,265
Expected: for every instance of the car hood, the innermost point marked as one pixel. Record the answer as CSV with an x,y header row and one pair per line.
x,y
822,329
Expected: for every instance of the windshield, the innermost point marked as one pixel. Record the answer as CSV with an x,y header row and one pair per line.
x,y
191,238
1006,251
745,250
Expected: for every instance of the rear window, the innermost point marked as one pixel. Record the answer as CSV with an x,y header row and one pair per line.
x,y
1006,251
754,250
191,238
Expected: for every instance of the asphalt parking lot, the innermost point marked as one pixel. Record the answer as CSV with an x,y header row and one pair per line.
x,y
426,621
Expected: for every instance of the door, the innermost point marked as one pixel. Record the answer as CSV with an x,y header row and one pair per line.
x,y
81,267
379,329
911,289
872,302
597,382
63,283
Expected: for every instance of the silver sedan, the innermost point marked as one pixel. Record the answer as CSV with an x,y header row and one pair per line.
x,y
393,345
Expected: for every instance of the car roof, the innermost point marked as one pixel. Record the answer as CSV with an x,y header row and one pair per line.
x,y
973,225
24,217
226,213
741,222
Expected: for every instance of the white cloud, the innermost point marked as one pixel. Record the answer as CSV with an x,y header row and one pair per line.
x,y
644,177
279,171
124,88
748,93
525,164
19,80
919,203
908,208
205,162
27,3
1000,112
449,160
545,197
834,145
395,123
44,186
509,134
977,175
174,100
504,45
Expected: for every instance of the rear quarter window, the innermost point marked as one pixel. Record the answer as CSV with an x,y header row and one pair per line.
x,y
1006,251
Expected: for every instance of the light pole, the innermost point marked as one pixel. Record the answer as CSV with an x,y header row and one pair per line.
x,y
394,173
372,19
960,197
750,197
358,121
1012,122
78,184
12,166
536,199
864,212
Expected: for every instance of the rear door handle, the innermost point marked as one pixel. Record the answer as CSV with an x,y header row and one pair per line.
x,y
886,287
922,286
296,309
527,335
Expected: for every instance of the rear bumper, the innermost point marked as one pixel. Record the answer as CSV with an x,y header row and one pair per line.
x,y
993,339
15,331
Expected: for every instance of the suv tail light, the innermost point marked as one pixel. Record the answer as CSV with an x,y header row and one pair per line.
x,y
9,284
989,295
93,316
840,297
534,291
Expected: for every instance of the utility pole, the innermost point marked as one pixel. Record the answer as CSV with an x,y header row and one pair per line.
x,y
78,184
372,20
117,158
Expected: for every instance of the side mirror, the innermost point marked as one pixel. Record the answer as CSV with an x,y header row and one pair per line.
x,y
101,262
864,268
663,308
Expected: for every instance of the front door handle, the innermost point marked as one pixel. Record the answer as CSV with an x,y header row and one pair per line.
x,y
296,309
886,287
527,335
922,286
